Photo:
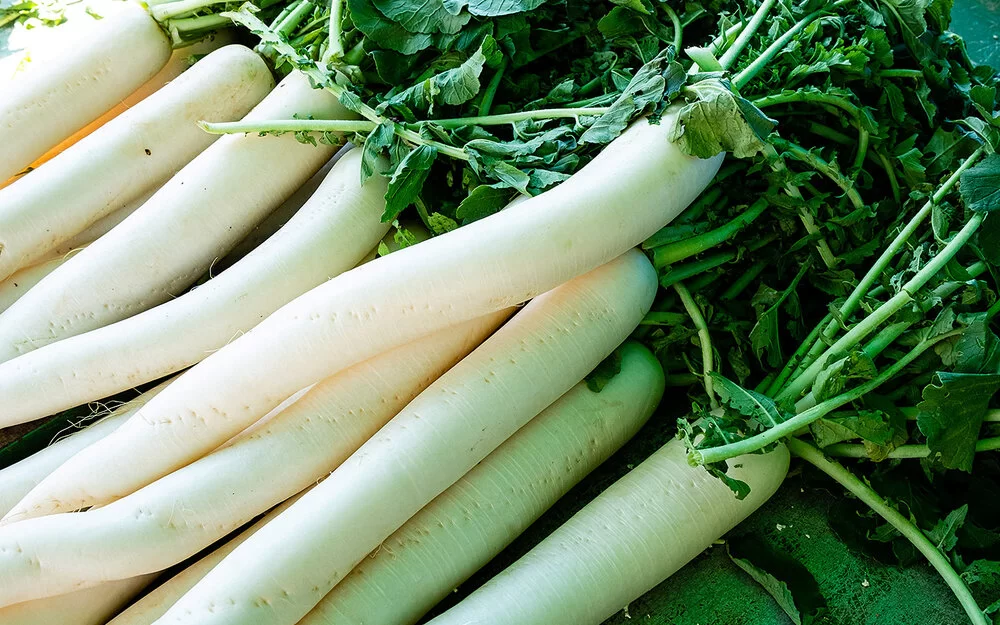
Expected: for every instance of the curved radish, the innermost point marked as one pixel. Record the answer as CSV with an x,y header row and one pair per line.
x,y
172,239
188,510
72,85
179,62
18,479
615,202
129,155
630,538
284,570
91,606
146,610
329,235
472,521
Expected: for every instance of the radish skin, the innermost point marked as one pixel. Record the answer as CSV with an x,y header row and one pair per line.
x,y
18,479
179,62
18,283
634,535
103,225
188,510
146,610
614,203
91,606
283,571
22,280
68,87
278,217
472,521
129,155
330,234
171,240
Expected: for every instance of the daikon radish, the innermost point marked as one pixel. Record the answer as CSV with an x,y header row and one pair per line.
x,y
330,234
280,573
129,155
91,606
172,239
612,204
188,510
472,521
71,85
18,479
634,535
180,60
151,607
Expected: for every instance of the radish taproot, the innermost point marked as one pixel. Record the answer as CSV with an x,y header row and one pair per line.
x,y
634,535
154,604
330,234
188,510
171,240
18,479
478,516
136,151
90,606
612,204
71,85
280,573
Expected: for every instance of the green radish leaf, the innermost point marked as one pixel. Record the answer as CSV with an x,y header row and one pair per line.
x,y
454,86
423,16
619,22
981,185
483,201
747,403
717,120
836,375
951,415
944,535
660,79
384,31
377,142
492,8
781,576
407,180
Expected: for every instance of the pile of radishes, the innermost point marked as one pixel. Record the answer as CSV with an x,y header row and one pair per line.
x,y
403,417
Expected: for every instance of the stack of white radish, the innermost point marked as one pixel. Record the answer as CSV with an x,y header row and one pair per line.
x,y
398,418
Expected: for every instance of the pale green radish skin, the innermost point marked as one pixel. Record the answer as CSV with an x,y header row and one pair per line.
x,y
178,62
18,479
615,202
76,83
330,234
110,168
279,574
638,532
172,239
472,521
146,610
91,606
188,510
